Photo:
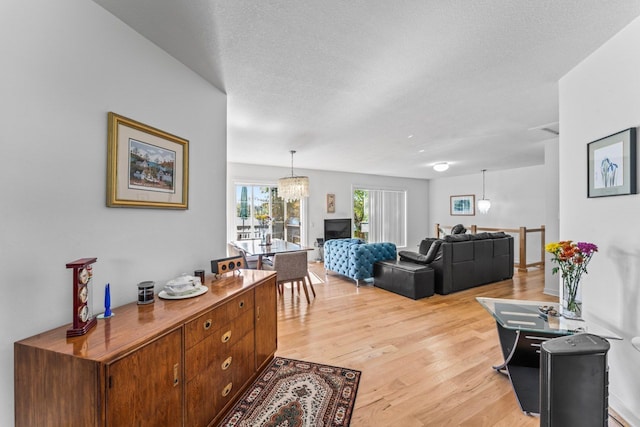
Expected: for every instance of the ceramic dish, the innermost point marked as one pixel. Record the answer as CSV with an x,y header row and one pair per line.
x,y
199,291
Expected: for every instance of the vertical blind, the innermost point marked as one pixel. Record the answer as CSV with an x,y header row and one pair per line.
x,y
388,216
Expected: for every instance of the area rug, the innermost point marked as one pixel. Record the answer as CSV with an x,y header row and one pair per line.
x,y
293,393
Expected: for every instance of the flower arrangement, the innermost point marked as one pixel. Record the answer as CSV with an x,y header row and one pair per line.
x,y
264,219
572,259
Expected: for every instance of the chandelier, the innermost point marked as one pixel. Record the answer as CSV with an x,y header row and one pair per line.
x,y
293,187
483,204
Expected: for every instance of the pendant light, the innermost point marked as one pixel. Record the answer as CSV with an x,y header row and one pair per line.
x,y
293,187
483,204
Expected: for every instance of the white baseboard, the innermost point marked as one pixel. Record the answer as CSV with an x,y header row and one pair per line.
x,y
631,418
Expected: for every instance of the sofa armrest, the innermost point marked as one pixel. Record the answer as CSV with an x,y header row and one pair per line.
x,y
363,256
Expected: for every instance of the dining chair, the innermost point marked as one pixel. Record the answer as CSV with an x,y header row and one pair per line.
x,y
292,267
249,262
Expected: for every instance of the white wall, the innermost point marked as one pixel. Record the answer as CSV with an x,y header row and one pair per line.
x,y
552,214
517,200
340,184
599,97
65,64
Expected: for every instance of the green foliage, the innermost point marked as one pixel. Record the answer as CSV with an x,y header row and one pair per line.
x,y
359,197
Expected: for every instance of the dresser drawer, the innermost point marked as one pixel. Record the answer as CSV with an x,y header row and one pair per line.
x,y
204,326
212,352
239,305
208,323
211,388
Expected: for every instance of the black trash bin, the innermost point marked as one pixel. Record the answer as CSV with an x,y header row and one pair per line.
x,y
574,386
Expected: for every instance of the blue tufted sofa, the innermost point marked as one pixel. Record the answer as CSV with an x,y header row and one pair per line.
x,y
354,258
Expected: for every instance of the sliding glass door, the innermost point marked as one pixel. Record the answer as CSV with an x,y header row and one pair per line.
x,y
380,215
260,211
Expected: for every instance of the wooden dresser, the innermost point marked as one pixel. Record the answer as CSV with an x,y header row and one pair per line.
x,y
170,363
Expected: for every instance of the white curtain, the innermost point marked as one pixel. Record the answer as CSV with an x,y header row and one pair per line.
x,y
387,216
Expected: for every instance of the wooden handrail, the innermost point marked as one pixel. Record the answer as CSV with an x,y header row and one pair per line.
x,y
522,233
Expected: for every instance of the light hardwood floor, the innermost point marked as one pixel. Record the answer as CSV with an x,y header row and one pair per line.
x,y
423,363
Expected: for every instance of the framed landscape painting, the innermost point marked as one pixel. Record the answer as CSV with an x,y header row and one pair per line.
x,y
611,165
463,205
146,167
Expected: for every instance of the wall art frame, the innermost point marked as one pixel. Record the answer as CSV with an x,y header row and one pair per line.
x,y
146,167
462,205
611,165
331,203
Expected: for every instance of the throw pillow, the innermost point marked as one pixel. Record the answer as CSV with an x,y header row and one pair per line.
x,y
458,229
457,238
481,236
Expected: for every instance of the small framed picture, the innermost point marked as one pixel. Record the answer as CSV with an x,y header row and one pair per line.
x,y
146,167
463,205
331,203
611,165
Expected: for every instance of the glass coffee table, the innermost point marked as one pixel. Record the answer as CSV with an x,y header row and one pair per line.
x,y
522,328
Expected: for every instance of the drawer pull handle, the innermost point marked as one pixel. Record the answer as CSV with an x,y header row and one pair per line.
x,y
207,324
176,374
226,363
227,389
226,337
241,304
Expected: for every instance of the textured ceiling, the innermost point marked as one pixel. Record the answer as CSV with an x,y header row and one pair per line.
x,y
379,86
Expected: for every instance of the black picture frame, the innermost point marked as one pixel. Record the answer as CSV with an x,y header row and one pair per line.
x,y
611,165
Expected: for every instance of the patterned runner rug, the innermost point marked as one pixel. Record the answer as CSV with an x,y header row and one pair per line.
x,y
294,393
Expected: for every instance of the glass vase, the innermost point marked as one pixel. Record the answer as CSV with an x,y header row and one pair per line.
x,y
571,299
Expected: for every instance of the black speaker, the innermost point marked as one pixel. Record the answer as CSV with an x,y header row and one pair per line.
x,y
225,265
574,381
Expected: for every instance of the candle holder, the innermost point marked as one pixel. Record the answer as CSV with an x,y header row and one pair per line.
x,y
107,303
145,292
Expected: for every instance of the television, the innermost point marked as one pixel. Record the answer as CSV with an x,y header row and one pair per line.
x,y
337,229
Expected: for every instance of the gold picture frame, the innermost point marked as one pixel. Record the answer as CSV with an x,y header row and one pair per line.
x,y
146,167
331,203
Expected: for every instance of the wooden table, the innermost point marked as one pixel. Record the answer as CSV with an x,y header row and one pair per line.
x,y
257,248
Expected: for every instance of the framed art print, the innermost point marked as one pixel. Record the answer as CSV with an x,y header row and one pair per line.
x,y
463,205
146,167
611,165
331,203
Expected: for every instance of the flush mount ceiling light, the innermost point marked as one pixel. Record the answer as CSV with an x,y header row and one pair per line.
x,y
293,187
483,204
441,167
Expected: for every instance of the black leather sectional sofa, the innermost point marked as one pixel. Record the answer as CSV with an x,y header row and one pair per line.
x,y
463,261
